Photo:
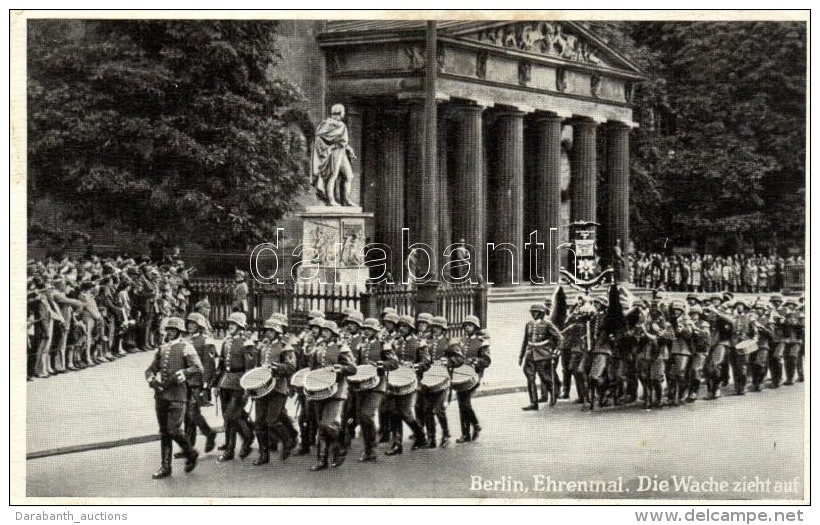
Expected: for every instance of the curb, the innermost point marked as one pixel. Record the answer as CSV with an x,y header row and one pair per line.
x,y
139,440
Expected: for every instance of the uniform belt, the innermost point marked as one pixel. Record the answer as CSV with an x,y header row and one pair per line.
x,y
235,370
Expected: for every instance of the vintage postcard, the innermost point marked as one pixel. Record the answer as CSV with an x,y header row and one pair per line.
x,y
371,257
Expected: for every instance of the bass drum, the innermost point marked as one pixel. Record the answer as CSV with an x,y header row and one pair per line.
x,y
436,379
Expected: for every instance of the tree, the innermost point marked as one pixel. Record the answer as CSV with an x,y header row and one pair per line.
x,y
172,127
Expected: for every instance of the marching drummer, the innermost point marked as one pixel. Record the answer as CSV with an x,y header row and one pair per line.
x,y
475,346
389,319
330,352
373,351
436,400
423,320
238,355
280,358
305,346
411,351
352,337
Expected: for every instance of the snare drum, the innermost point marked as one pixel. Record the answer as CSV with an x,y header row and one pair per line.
x,y
464,378
320,384
746,347
258,382
436,379
402,381
297,381
365,378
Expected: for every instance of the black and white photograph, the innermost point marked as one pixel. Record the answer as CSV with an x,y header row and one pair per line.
x,y
404,257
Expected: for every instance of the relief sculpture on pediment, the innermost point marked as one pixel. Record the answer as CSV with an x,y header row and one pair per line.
x,y
545,38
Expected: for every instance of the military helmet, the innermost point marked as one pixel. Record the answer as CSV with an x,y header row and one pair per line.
x,y
538,307
317,321
332,326
677,305
237,318
424,317
387,311
316,314
280,318
355,317
199,319
695,309
471,319
392,317
408,320
441,321
372,324
176,323
274,324
776,298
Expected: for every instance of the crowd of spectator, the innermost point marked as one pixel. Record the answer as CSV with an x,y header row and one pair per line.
x,y
87,311
709,273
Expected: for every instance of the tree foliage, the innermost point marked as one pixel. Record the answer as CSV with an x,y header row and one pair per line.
x,y
163,126
720,152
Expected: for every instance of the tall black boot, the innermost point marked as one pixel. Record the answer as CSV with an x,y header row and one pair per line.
x,y
230,442
532,390
247,438
264,450
166,451
321,455
445,430
335,453
658,388
419,439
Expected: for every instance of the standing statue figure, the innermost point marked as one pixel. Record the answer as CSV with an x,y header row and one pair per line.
x,y
619,262
330,155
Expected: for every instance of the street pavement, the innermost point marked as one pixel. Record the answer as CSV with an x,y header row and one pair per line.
x,y
732,440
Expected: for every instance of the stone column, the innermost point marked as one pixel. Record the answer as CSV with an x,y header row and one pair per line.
x,y
470,185
617,165
415,168
584,184
507,198
390,200
445,228
548,187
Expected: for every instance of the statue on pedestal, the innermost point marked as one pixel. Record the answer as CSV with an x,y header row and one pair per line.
x,y
331,154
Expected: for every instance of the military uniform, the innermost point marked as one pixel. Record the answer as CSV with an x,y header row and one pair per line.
x,y
329,411
765,345
680,353
173,363
238,355
476,353
373,351
199,384
539,354
699,343
270,409
721,339
410,351
436,401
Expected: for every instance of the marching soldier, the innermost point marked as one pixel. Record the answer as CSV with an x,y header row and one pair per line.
x,y
197,328
765,343
422,325
577,339
352,337
542,339
778,345
238,355
306,345
389,320
660,335
436,401
680,352
280,357
721,343
173,364
411,351
373,351
743,330
475,346
329,351
699,343
793,342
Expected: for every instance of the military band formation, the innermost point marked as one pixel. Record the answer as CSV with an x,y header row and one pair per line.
x,y
375,374
673,350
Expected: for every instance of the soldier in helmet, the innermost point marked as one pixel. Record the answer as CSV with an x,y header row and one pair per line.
x,y
542,340
238,355
331,352
765,343
373,351
280,357
411,351
438,346
352,337
389,321
475,348
173,364
793,342
699,344
680,352
197,328
306,345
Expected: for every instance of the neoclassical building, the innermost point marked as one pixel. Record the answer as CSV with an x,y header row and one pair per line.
x,y
495,137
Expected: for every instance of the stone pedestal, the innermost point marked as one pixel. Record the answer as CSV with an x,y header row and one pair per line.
x,y
333,241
